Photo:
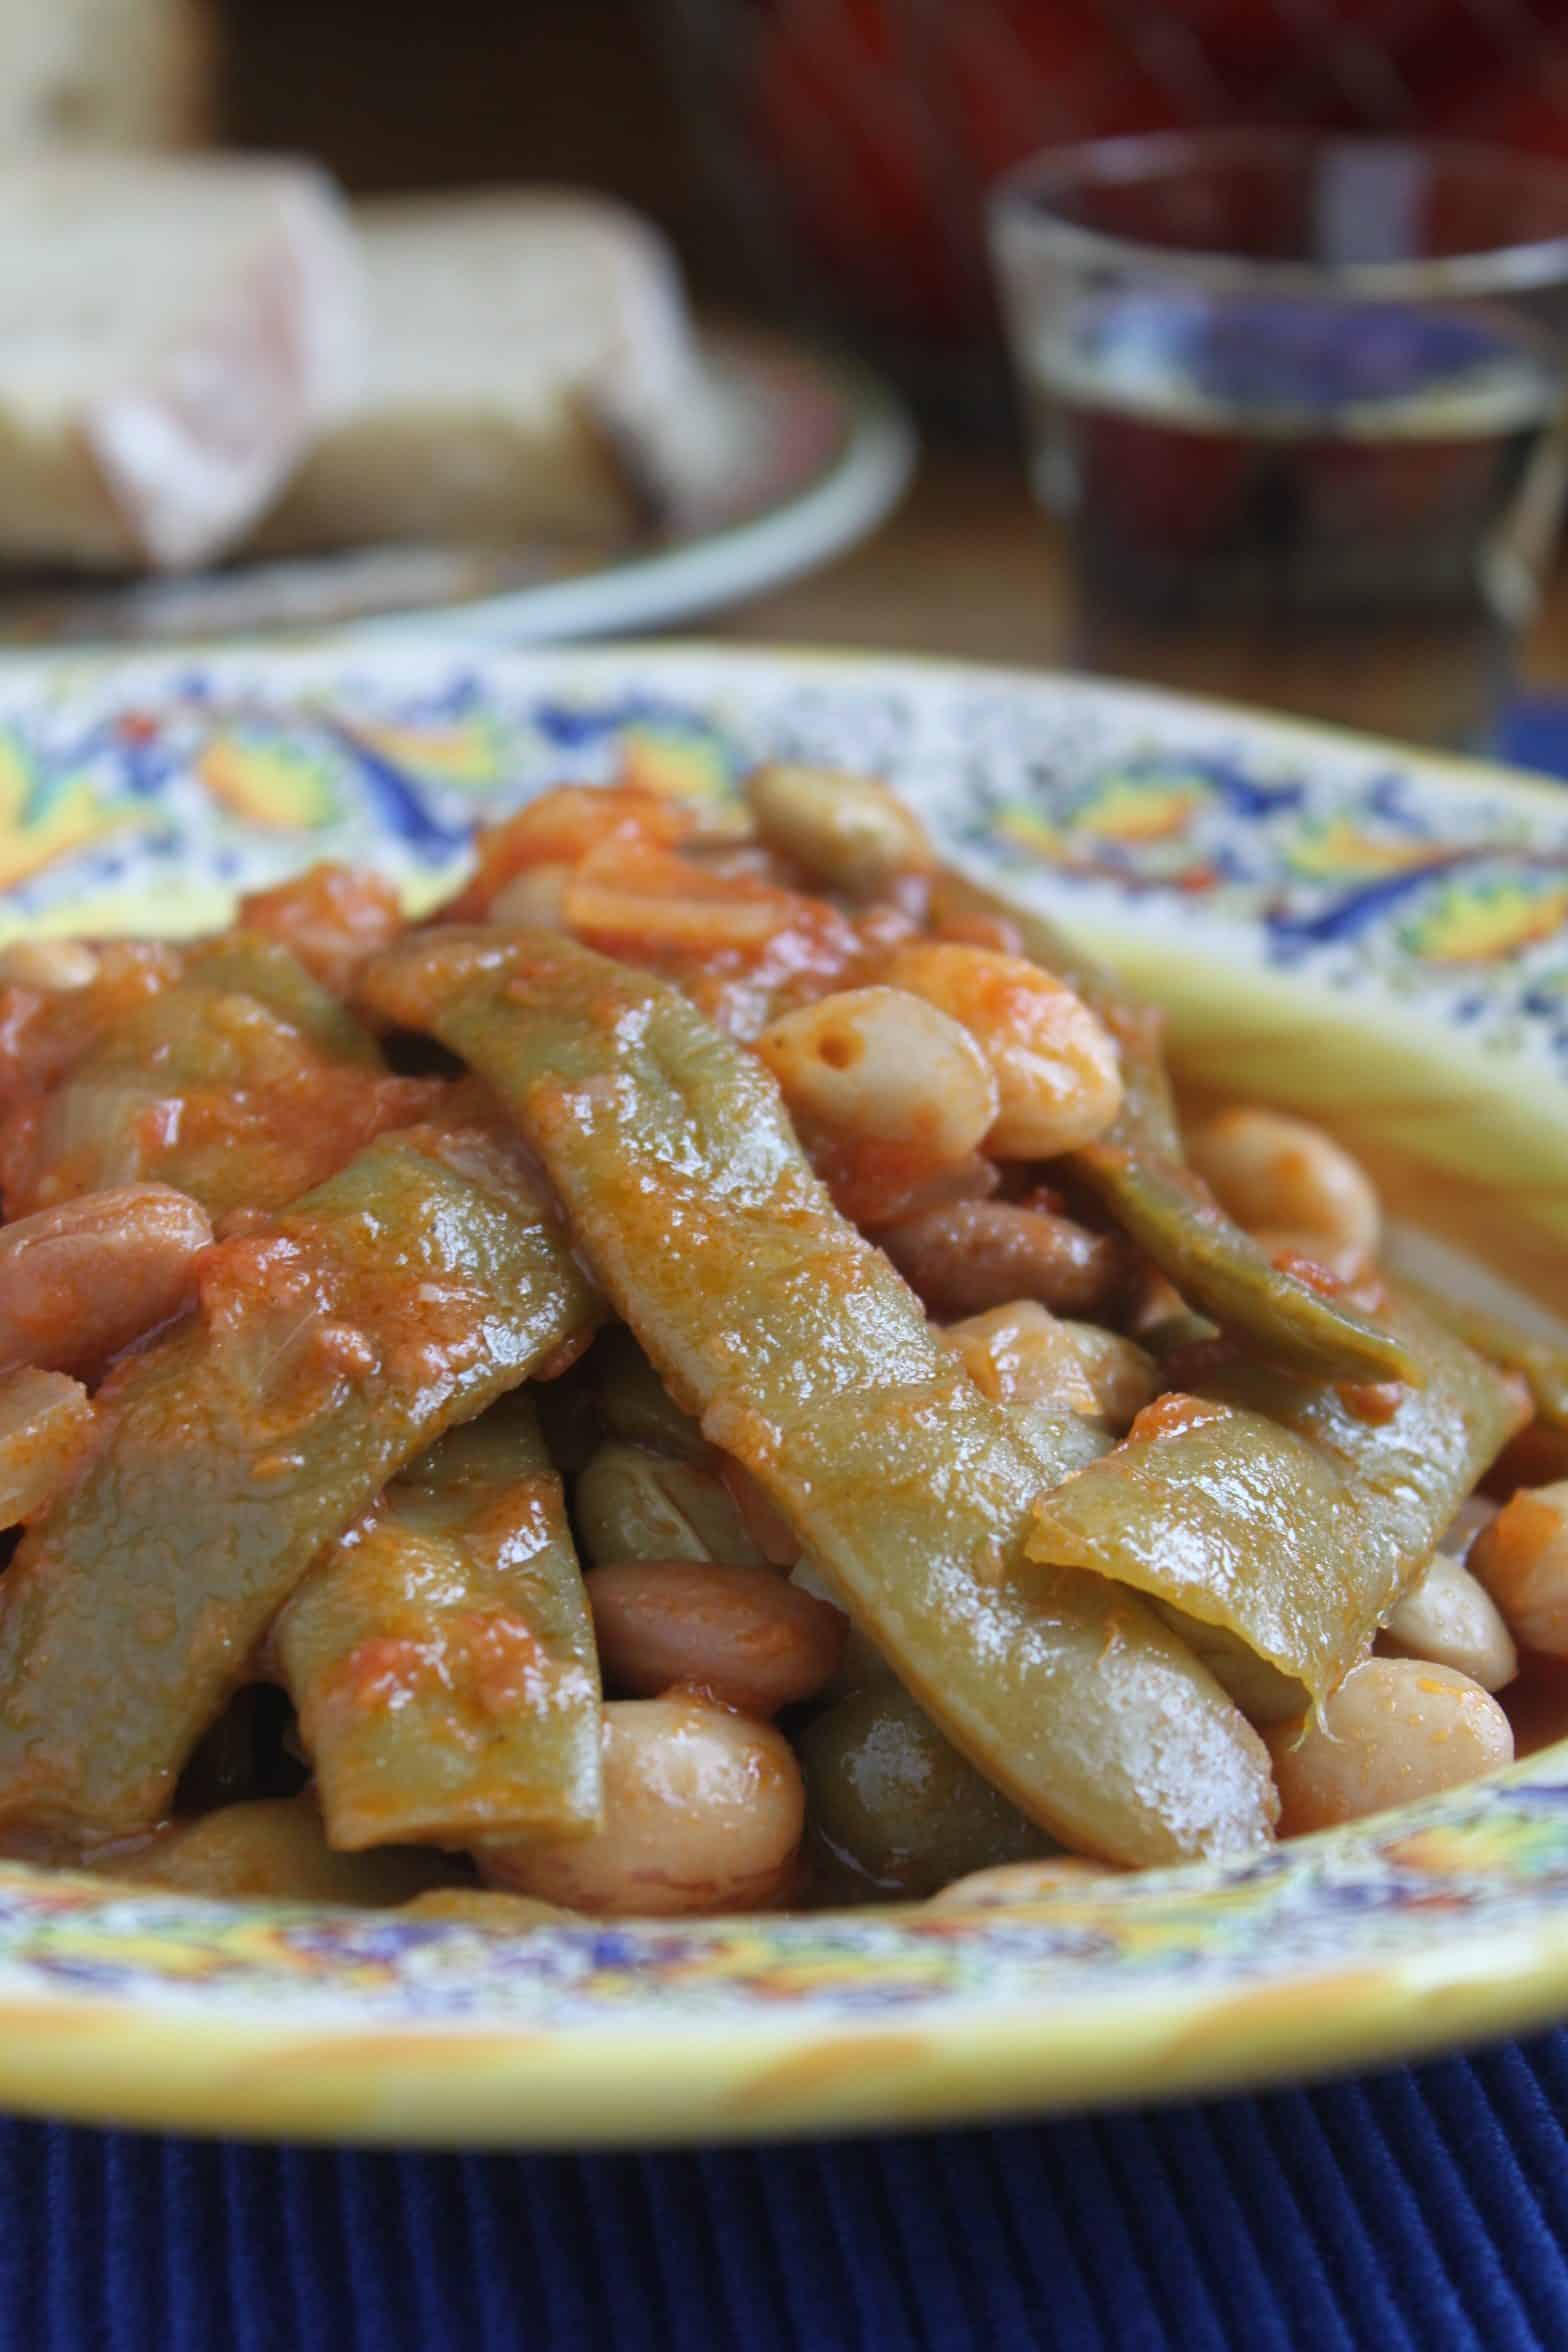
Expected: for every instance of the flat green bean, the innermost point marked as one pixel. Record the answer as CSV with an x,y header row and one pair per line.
x,y
1136,1170
1544,1366
330,1348
808,1360
441,1655
1291,1514
249,963
632,1504
241,1083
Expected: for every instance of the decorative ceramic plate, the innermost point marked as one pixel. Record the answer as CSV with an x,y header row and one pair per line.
x,y
1374,935
800,456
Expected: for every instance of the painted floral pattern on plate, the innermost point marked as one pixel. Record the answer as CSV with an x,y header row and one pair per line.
x,y
1350,866
1490,1860
1347,863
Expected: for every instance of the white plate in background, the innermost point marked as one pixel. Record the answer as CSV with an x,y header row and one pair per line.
x,y
805,455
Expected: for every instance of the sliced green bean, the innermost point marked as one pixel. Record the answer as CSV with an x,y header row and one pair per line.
x,y
1260,1690
810,1362
631,1504
240,1083
1136,1170
1223,1271
400,1297
441,1655
1543,1366
1288,1513
249,963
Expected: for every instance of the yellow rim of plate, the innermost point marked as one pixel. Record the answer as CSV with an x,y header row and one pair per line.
x,y
151,2061
150,2065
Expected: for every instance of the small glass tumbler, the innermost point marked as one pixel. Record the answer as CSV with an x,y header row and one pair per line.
x,y
1298,405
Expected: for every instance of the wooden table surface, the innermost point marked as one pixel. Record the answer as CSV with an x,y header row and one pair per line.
x,y
968,566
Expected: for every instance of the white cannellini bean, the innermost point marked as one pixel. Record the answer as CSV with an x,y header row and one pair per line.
x,y
1450,1619
54,966
703,1812
882,1065
1396,1729
1275,1173
1522,1559
1021,1354
849,832
1055,1063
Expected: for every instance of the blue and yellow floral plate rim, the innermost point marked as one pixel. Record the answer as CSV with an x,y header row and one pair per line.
x,y
1368,933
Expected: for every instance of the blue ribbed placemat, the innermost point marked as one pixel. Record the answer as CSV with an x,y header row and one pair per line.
x,y
1425,2208
1535,733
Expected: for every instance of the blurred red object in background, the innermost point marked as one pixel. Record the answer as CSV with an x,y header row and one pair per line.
x,y
868,130
1526,110
882,124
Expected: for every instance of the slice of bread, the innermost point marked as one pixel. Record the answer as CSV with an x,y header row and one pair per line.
x,y
173,335
123,73
531,361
